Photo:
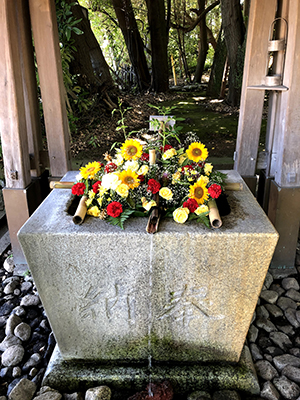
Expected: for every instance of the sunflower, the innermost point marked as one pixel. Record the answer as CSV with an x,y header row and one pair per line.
x,y
197,152
131,149
199,191
129,178
90,170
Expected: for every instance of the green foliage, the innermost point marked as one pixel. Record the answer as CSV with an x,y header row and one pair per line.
x,y
165,131
121,123
119,221
78,99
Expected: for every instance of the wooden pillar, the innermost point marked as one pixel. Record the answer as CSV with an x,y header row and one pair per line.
x,y
262,14
284,202
12,106
46,42
19,118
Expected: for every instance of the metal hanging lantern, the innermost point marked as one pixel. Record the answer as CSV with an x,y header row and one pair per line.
x,y
276,46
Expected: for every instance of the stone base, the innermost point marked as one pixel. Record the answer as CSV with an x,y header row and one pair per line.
x,y
125,380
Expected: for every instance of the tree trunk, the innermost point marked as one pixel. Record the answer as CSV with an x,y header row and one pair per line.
x,y
159,40
133,40
217,69
89,62
203,45
232,21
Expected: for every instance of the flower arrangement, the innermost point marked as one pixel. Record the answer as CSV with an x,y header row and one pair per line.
x,y
180,183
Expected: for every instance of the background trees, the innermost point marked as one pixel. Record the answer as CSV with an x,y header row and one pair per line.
x,y
131,42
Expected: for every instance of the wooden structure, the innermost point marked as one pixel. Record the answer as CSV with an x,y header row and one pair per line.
x,y
279,187
23,155
26,162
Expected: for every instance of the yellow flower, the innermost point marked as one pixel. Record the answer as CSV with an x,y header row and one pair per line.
x,y
197,152
147,204
182,158
90,170
169,154
94,211
201,209
129,178
175,177
166,193
181,214
122,190
143,170
199,191
102,191
208,168
204,179
100,201
91,194
88,202
131,149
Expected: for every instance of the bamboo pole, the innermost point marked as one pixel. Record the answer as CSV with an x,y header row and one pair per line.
x,y
173,70
214,216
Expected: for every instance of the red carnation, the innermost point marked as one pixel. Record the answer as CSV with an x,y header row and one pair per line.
x,y
145,157
114,209
165,148
96,186
191,204
101,164
78,189
141,178
153,186
214,191
189,167
110,167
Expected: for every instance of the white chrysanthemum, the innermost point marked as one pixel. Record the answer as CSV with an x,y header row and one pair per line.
x,y
110,181
118,160
132,165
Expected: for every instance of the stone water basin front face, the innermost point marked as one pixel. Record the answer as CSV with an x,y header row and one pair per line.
x,y
192,288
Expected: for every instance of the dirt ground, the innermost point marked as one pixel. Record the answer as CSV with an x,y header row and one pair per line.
x,y
97,132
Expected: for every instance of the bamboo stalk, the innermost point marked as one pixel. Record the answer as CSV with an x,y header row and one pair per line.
x,y
60,185
154,217
80,212
152,157
229,186
233,186
214,216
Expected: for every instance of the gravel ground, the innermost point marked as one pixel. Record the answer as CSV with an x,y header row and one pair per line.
x,y
26,343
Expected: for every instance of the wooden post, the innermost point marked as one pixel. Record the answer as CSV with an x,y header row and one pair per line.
x,y
34,134
19,118
12,107
45,34
286,165
262,14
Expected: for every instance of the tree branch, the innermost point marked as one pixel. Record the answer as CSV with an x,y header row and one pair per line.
x,y
186,29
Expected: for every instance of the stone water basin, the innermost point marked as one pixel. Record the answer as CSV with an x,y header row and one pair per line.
x,y
194,289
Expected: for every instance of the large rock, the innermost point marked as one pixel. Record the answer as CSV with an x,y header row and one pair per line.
x,y
287,388
13,356
98,393
286,359
204,283
24,390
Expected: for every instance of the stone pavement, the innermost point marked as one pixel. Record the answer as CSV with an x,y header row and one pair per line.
x,y
26,343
